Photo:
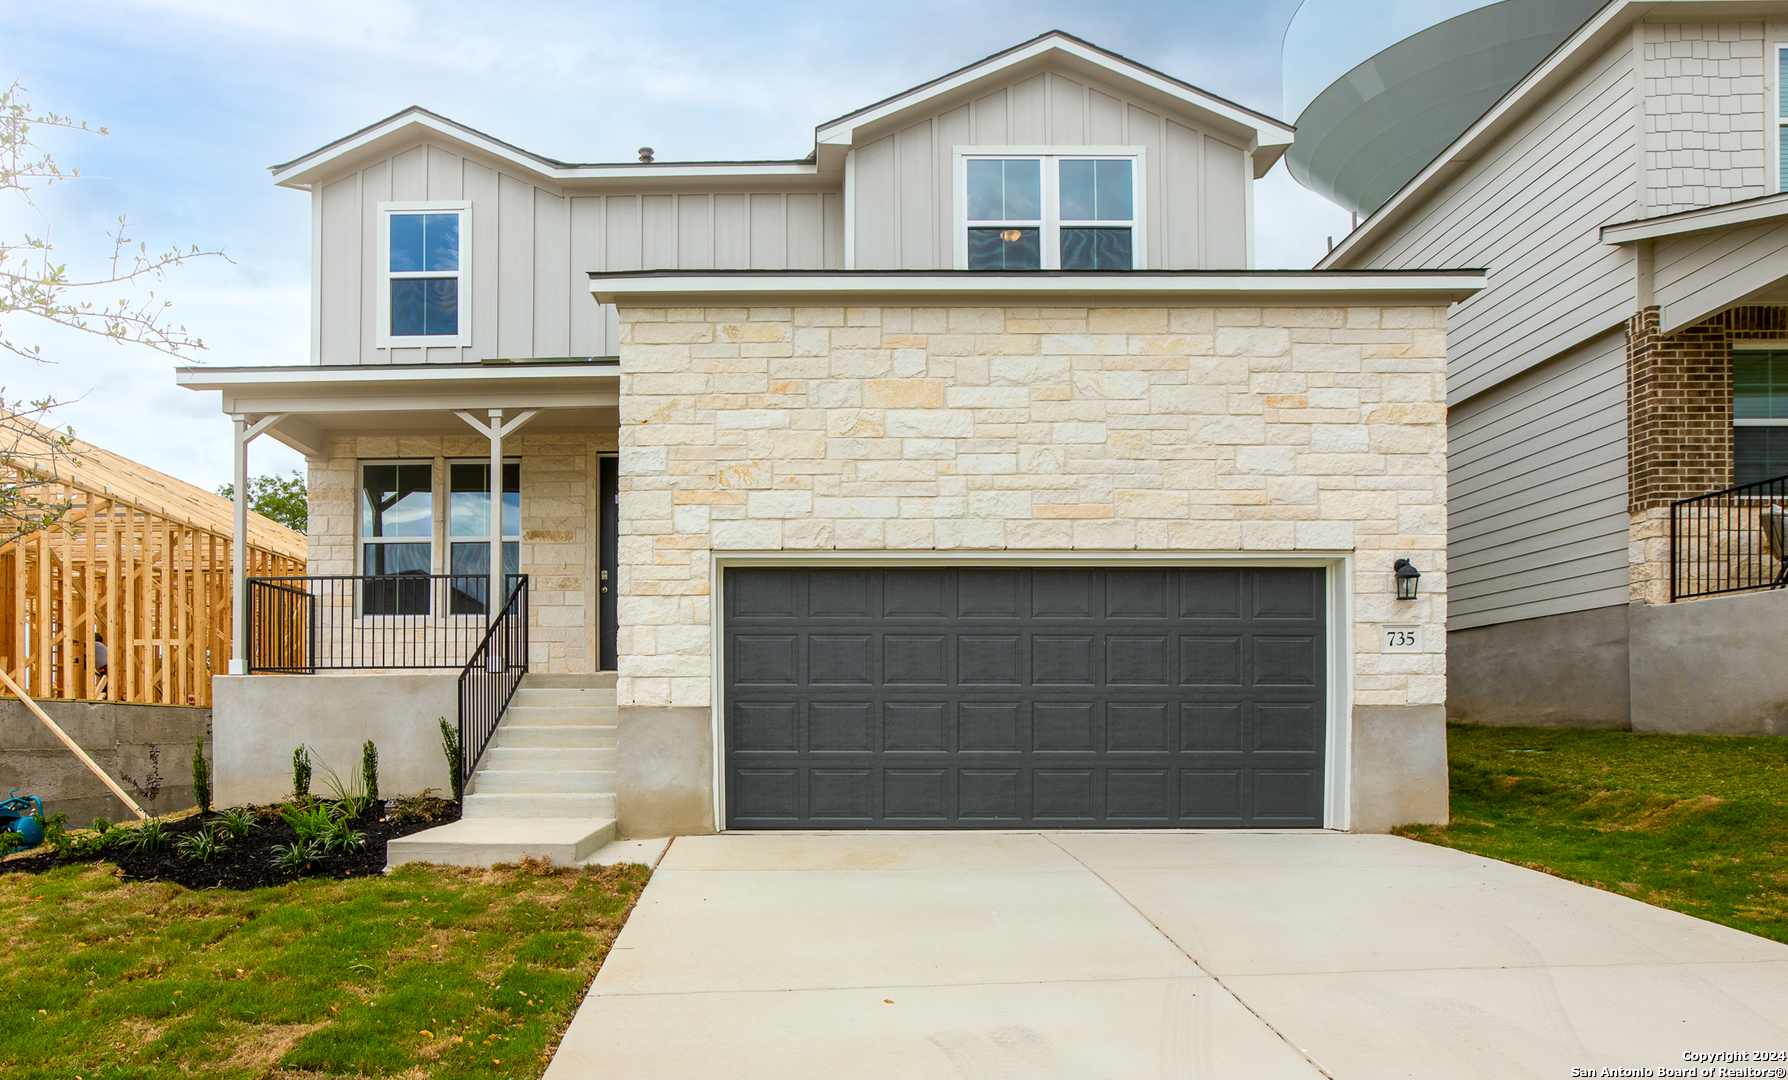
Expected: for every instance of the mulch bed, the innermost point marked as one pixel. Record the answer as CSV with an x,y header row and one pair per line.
x,y
248,862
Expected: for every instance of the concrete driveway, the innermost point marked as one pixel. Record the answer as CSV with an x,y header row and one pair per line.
x,y
1125,955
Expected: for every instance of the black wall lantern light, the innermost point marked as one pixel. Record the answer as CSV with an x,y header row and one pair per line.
x,y
1407,576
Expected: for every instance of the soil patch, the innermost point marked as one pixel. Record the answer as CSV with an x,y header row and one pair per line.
x,y
246,862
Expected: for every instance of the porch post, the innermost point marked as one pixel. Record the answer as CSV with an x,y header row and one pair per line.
x,y
239,553
245,433
495,607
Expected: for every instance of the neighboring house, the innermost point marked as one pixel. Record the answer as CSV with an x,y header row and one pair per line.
x,y
1625,198
960,474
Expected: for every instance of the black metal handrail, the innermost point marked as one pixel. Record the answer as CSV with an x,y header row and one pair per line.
x,y
491,677
1729,541
302,625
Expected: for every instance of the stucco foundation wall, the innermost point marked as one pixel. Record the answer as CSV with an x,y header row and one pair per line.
x,y
132,743
559,526
1710,666
258,720
1399,773
1183,430
1555,671
664,779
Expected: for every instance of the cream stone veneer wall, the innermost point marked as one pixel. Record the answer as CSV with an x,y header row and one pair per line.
x,y
1175,431
559,537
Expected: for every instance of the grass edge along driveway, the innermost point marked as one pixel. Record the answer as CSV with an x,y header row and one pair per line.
x,y
1694,823
426,972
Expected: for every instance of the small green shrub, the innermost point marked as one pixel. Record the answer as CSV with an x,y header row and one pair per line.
x,y
340,835
350,800
293,857
151,835
201,776
411,809
203,846
238,822
369,770
450,747
101,826
55,834
311,821
301,772
9,842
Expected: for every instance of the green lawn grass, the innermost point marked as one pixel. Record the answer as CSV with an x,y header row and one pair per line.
x,y
426,972
1696,823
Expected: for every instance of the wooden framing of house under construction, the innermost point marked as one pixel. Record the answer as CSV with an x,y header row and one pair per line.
x,y
139,559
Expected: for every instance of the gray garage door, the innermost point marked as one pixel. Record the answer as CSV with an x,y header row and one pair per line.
x,y
993,698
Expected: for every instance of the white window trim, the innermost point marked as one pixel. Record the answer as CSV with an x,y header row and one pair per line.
x,y
383,338
1050,240
1772,169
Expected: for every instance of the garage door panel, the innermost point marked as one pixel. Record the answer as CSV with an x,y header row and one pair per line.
x,y
1057,697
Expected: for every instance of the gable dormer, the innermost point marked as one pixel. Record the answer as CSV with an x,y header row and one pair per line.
x,y
1052,155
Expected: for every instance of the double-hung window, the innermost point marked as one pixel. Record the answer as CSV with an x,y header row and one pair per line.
x,y
424,260
1050,211
397,527
1759,415
468,530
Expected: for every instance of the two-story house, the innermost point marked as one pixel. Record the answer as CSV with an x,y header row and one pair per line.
x,y
1616,487
961,474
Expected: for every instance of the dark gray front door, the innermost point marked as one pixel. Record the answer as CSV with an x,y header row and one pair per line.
x,y
971,698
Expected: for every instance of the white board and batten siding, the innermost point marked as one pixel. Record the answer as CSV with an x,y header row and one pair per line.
x,y
533,245
1529,209
1537,491
1196,186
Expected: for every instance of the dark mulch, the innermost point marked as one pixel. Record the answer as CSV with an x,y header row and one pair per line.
x,y
248,862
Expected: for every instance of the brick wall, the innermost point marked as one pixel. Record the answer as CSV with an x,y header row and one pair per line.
x,y
1679,411
558,543
902,430
1706,114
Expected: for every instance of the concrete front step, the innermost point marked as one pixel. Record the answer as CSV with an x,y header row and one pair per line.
x,y
566,736
562,714
550,758
572,698
544,782
482,842
504,804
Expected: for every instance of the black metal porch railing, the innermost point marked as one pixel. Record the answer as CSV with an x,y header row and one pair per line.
x,y
491,677
1730,541
301,625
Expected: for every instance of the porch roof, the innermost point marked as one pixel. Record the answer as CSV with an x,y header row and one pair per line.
x,y
317,401
1696,263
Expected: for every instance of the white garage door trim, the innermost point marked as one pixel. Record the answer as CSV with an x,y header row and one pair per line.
x,y
1339,564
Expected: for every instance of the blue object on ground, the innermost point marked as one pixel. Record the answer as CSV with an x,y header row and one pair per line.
x,y
23,814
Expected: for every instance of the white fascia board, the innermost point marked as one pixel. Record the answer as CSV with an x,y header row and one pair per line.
x,y
1690,221
371,376
1314,287
1591,36
1267,132
307,169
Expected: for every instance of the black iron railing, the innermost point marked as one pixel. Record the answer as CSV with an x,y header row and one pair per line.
x,y
1730,541
301,625
490,678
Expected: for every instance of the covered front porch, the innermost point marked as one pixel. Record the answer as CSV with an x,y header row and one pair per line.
x,y
417,473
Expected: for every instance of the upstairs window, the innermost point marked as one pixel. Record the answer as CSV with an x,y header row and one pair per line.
x,y
1781,118
1050,212
424,261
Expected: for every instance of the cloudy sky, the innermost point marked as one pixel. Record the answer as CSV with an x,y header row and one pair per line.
x,y
201,96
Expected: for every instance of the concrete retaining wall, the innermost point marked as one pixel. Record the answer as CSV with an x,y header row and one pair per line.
x,y
1711,666
664,779
260,719
1399,767
1557,671
132,743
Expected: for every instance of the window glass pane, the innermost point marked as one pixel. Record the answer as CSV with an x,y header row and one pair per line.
x,y
1005,249
468,501
1781,87
471,565
1078,196
396,500
1116,196
985,203
1005,190
441,240
440,313
1760,385
1095,249
1759,453
407,245
380,595
397,559
409,302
